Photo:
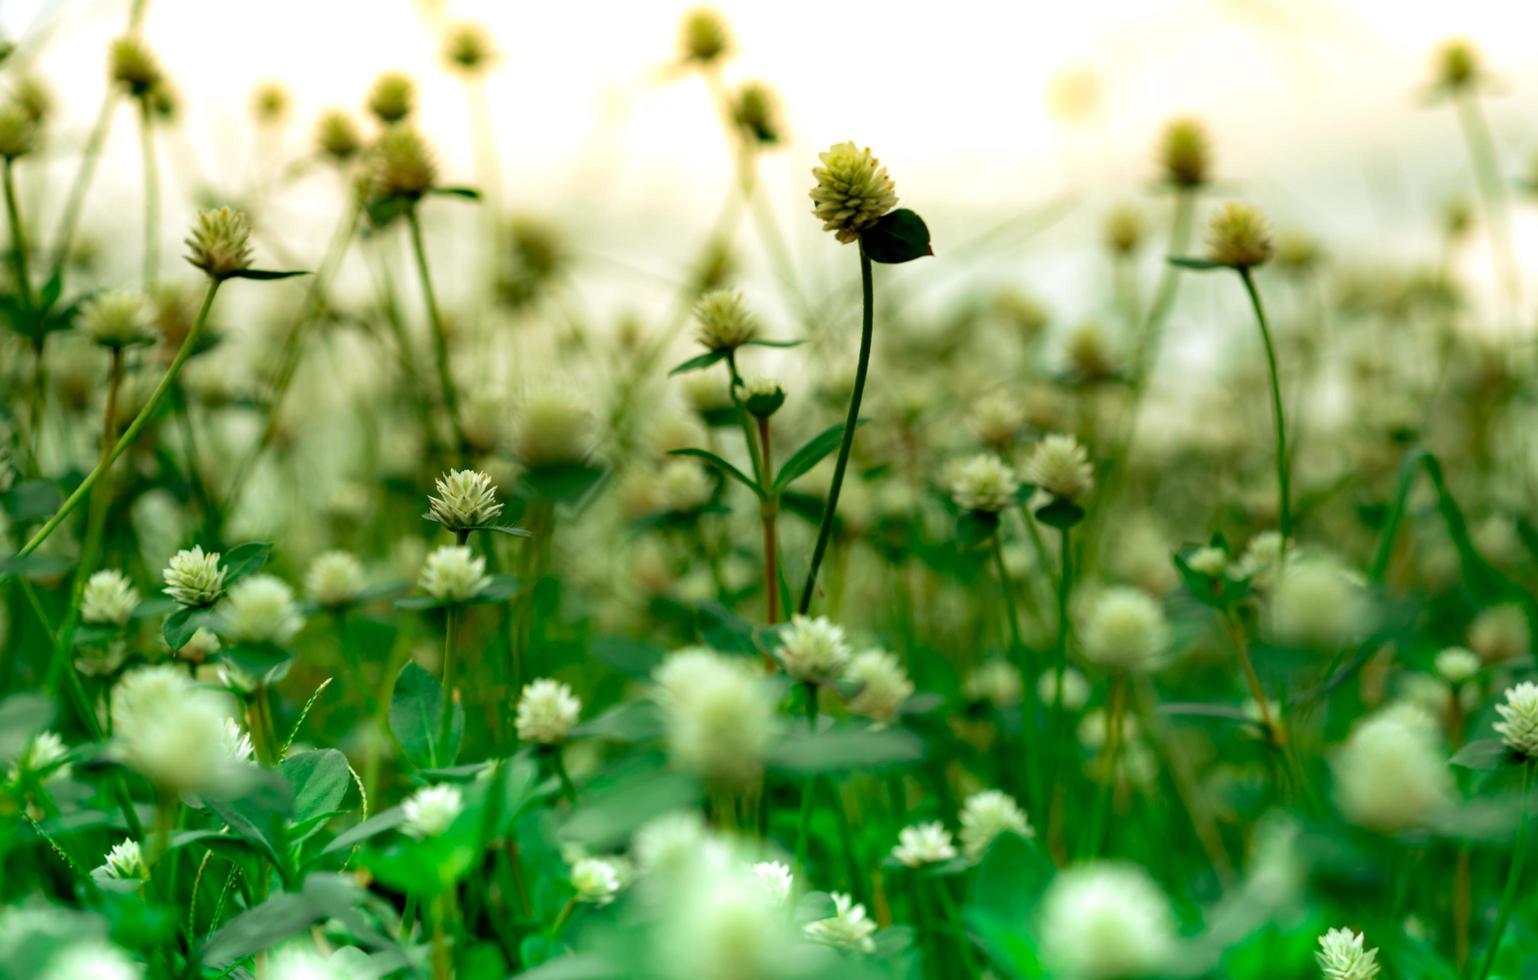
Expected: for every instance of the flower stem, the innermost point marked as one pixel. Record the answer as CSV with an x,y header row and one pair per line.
x,y
768,512
440,339
446,713
1060,653
807,786
1513,881
70,220
134,427
825,529
18,237
151,196
1492,191
1115,714
1284,497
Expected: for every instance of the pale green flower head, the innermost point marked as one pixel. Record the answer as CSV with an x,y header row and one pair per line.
x,y
814,650
1392,775
453,574
1185,153
133,66
18,131
987,814
849,928
725,322
984,483
546,711
1518,726
1342,956
883,685
170,729
776,881
392,98
109,598
220,242
337,136
1060,466
261,609
43,752
125,862
703,37
1123,229
402,164
552,428
466,499
1125,630
852,192
595,881
1239,237
467,48
431,810
194,578
1458,665
762,396
1105,921
924,843
718,716
334,579
118,318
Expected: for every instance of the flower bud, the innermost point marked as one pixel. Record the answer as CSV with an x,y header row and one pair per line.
x,y
1184,154
703,37
757,114
725,323
336,135
1239,237
853,191
220,243
194,578
334,579
762,396
452,574
1123,230
125,862
466,499
270,103
467,47
18,132
108,598
1457,65
546,711
260,609
401,164
133,66
117,318
392,98
1060,466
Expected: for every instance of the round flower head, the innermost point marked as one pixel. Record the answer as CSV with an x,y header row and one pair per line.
x,y
453,574
1457,65
1342,956
466,499
1317,602
1391,775
776,881
757,114
117,318
170,729
1090,353
1208,560
1457,665
1075,689
43,755
1105,921
703,37
336,135
1518,726
924,843
467,47
334,579
1060,466
717,715
853,191
595,881
203,643
1262,558
848,928
1239,237
270,103
220,243
995,681
401,164
996,419
392,98
984,483
986,815
762,396
1125,630
261,609
546,711
1499,633
108,598
1185,154
725,322
884,685
18,131
1124,230
682,486
125,862
91,959
194,578
431,810
814,650
553,428
133,66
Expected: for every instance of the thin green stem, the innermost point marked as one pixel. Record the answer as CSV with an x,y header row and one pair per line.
x,y
1284,496
825,528
440,337
151,196
1115,714
1060,657
1513,881
1010,612
446,713
70,221
18,237
803,829
1492,191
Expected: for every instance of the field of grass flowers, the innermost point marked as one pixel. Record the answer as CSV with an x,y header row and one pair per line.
x,y
734,644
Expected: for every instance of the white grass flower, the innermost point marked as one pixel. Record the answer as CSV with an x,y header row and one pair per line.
x,y
466,499
453,574
1391,776
1238,236
1342,956
1317,602
853,191
984,483
44,750
1060,466
91,959
108,598
194,578
884,685
987,814
595,881
725,322
1499,633
814,650
776,881
924,843
1125,630
848,928
1518,726
1105,921
236,742
203,643
431,810
401,164
220,243
117,318
1075,689
392,97
334,579
682,486
170,729
1458,665
546,711
125,862
995,681
261,609
553,428
717,714
1208,560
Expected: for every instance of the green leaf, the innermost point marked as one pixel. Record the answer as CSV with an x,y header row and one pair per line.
x,y
1195,264
896,237
845,748
283,916
812,452
320,780
416,708
381,211
468,193
1059,513
244,559
704,360
780,344
21,717
606,818
565,483
372,827
722,465
36,565
255,809
1487,754
180,625
264,274
973,527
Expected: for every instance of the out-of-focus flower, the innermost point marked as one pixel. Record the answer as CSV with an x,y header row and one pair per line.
x,y
108,598
848,928
995,681
42,755
401,164
261,609
984,483
1075,689
170,729
1060,466
1318,602
776,881
725,322
717,715
467,47
334,579
924,843
1125,630
1499,633
18,131
133,66
1457,665
1105,921
392,98
546,711
757,113
762,396
431,810
453,574
1239,237
595,881
1123,229
884,685
1185,153
117,318
987,814
337,136
553,428
852,191
1391,776
703,37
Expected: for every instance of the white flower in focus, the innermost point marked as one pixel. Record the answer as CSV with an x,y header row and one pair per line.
x,y
334,579
261,609
1105,921
1342,956
1126,630
1060,466
194,578
595,881
884,685
546,711
848,928
431,810
924,843
220,243
466,499
853,191
108,598
984,483
1518,726
776,881
44,750
986,815
453,574
125,862
1391,775
814,650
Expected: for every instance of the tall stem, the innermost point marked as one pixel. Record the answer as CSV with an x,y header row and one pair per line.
x,y
768,512
151,196
18,237
825,529
70,221
1010,612
134,427
1492,191
1284,497
1115,713
1513,881
807,786
1060,652
440,339
446,714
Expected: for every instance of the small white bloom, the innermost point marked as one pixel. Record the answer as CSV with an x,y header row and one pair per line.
x,y
1343,956
924,843
1105,921
466,499
261,609
546,711
776,881
717,714
108,598
170,729
1126,630
884,685
334,579
45,749
431,810
1208,560
986,815
682,486
984,483
453,574
237,743
1457,665
194,578
848,928
1075,689
725,322
92,959
1391,775
1317,602
117,318
595,881
125,862
1060,466
814,650
1519,725
995,681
